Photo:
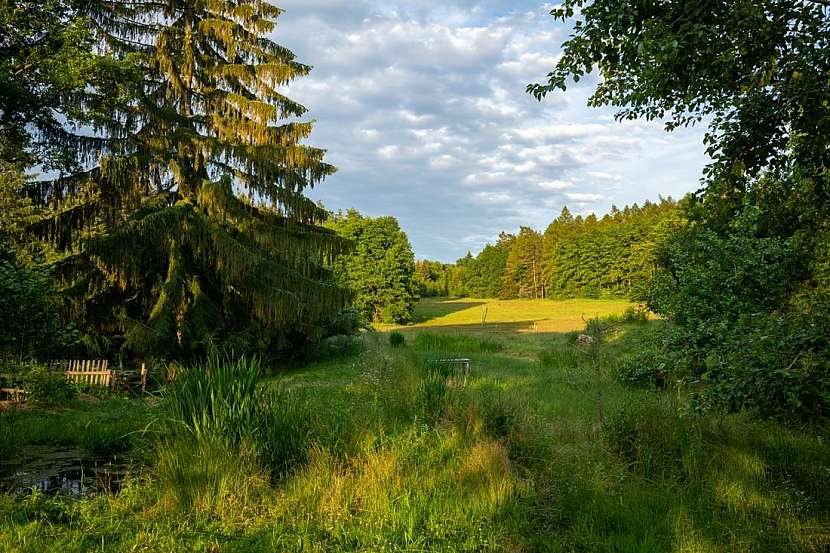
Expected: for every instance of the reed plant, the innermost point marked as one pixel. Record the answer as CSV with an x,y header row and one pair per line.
x,y
221,400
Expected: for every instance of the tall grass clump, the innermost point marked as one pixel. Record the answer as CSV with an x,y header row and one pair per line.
x,y
217,397
655,440
222,400
396,339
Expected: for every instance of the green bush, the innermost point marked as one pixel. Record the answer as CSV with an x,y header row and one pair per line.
x,y
33,327
645,369
45,388
635,315
336,347
396,339
771,366
745,322
348,321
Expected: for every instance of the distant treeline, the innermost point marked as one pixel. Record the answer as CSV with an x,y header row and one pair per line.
x,y
575,256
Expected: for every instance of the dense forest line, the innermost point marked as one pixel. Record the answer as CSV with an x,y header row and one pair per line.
x,y
576,256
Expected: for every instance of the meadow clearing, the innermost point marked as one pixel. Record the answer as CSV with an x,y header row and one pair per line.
x,y
379,449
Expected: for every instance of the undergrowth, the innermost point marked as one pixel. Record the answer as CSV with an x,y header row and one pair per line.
x,y
390,452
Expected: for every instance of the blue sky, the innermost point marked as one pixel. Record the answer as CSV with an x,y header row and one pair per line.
x,y
422,107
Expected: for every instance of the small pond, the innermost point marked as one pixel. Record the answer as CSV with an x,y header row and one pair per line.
x,y
62,470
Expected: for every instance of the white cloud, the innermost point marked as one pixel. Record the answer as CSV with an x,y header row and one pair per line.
x,y
555,184
583,197
422,107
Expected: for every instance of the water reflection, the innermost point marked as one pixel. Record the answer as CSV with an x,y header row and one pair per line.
x,y
62,470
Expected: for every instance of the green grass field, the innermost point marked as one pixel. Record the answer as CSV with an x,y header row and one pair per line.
x,y
402,457
512,316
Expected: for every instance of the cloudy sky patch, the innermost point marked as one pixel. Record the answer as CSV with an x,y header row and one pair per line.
x,y
423,109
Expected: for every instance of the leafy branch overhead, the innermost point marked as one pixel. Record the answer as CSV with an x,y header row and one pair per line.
x,y
757,72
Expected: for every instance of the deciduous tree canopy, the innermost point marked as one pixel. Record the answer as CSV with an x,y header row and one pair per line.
x,y
380,269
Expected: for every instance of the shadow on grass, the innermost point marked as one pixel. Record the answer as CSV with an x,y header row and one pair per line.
x,y
530,327
434,308
741,486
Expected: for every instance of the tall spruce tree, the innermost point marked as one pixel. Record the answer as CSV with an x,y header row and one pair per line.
x,y
191,226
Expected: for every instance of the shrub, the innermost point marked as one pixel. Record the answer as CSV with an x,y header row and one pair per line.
x,y
771,366
32,327
751,318
47,389
336,347
348,321
396,339
644,369
637,314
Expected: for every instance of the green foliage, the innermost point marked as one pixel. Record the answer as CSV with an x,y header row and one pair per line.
x,y
749,314
484,276
635,315
432,278
396,339
644,369
614,256
50,79
755,70
33,325
522,277
772,366
45,388
183,227
348,321
707,280
380,269
339,346
743,283
221,401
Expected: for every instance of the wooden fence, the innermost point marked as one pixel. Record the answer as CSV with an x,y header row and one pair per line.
x,y
97,373
93,372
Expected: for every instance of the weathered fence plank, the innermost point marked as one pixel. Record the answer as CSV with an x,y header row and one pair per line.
x,y
87,371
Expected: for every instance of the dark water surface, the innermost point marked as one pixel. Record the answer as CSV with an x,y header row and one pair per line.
x,y
62,470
